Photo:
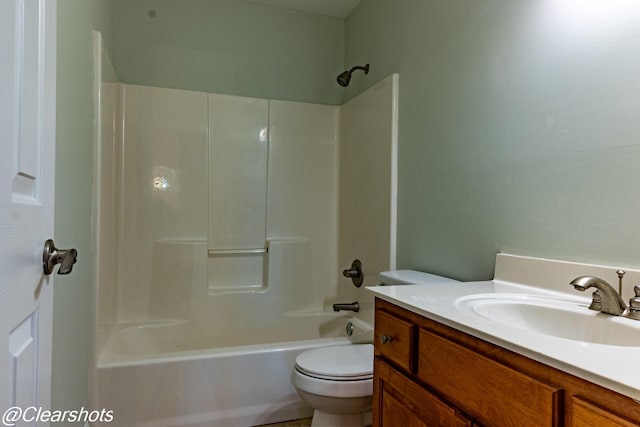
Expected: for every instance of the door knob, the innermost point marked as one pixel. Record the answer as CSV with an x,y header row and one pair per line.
x,y
52,256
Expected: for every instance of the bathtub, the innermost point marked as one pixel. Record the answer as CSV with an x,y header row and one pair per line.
x,y
171,374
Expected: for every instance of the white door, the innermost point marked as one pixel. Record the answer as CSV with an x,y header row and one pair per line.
x,y
27,156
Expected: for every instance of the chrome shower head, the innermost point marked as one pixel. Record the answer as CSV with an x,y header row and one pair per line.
x,y
344,77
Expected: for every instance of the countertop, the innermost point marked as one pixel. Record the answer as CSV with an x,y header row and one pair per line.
x,y
610,366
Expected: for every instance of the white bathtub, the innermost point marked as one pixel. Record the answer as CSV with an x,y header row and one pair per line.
x,y
171,375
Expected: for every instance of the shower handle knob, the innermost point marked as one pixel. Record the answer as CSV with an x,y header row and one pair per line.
x,y
351,272
355,273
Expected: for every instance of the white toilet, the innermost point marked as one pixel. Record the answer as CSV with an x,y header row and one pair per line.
x,y
337,382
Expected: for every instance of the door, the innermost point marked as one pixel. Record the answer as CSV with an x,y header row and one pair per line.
x,y
27,156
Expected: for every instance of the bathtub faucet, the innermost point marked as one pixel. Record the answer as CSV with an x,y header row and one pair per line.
x,y
354,306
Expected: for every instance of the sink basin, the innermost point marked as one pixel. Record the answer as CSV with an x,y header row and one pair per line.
x,y
556,317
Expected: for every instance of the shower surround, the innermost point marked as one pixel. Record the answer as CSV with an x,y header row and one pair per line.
x,y
221,237
212,221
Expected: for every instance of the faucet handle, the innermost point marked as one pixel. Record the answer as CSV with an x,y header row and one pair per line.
x,y
355,273
596,301
634,303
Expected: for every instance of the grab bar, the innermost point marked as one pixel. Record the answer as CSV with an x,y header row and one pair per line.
x,y
253,251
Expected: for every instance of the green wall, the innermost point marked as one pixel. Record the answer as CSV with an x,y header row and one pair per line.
x,y
73,313
518,131
229,46
518,122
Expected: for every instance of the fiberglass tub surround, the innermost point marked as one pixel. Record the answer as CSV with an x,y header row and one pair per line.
x,y
196,210
230,212
532,309
222,215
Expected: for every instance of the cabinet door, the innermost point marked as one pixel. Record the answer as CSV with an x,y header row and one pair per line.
x,y
398,401
587,414
492,393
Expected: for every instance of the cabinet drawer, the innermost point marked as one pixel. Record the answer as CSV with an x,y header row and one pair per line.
x,y
490,392
401,402
587,414
395,339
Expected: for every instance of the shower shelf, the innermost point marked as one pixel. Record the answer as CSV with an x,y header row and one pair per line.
x,y
215,252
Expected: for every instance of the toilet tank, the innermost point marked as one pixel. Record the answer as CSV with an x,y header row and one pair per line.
x,y
411,277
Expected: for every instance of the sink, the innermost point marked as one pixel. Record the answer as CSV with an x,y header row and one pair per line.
x,y
562,318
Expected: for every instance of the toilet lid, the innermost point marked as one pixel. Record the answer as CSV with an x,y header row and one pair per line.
x,y
344,362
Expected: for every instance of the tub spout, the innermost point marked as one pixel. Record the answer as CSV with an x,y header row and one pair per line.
x,y
354,306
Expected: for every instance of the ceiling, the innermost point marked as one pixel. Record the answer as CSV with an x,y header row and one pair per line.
x,y
337,8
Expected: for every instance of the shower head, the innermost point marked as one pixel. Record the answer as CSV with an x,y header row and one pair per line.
x,y
345,76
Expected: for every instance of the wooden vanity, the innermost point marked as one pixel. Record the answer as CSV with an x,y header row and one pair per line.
x,y
428,374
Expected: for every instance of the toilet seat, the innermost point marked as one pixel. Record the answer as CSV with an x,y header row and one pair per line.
x,y
337,363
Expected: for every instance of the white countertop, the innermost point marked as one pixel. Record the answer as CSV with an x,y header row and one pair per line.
x,y
613,367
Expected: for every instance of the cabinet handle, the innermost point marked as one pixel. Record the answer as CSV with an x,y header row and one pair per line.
x,y
385,338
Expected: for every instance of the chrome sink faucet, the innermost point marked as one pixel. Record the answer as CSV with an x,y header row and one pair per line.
x,y
610,300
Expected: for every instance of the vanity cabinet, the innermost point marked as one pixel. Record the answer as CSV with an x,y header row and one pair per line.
x,y
428,374
408,404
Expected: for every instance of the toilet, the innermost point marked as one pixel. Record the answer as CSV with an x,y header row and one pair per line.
x,y
337,381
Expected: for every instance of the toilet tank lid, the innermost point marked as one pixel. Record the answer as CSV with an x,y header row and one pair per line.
x,y
411,277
